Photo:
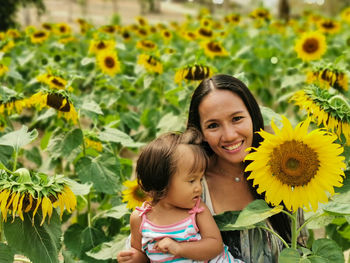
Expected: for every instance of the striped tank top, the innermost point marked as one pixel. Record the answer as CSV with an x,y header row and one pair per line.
x,y
183,231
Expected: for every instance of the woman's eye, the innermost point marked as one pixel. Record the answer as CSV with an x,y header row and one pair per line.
x,y
212,126
237,118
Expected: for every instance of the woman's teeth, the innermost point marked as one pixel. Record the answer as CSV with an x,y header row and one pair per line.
x,y
232,147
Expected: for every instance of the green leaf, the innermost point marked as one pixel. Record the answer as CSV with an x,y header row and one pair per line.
x,y
91,237
328,249
6,253
171,122
108,250
116,212
131,119
340,204
5,154
18,139
77,188
72,239
63,145
40,244
91,106
33,155
103,172
117,136
289,255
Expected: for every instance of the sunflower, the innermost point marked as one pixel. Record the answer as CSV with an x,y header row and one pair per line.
x,y
108,62
67,39
233,19
97,46
311,46
28,192
345,15
14,106
327,77
57,101
189,35
109,29
126,35
47,26
205,33
62,29
7,46
13,33
142,31
332,111
93,144
133,195
296,167
3,69
142,21
151,63
166,35
84,25
261,14
57,82
39,36
213,49
328,26
146,45
195,72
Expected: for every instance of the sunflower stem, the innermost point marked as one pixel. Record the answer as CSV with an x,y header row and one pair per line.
x,y
84,148
308,220
294,229
89,209
16,259
15,161
276,234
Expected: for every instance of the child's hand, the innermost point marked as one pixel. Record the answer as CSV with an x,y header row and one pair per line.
x,y
131,256
168,245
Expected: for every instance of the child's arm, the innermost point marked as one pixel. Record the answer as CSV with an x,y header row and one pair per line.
x,y
135,254
205,249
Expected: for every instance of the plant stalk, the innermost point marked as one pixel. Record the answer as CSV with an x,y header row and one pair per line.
x,y
294,229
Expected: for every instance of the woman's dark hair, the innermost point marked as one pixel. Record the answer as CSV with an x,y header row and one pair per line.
x,y
280,222
158,161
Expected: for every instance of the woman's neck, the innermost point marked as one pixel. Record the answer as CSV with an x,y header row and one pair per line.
x,y
225,168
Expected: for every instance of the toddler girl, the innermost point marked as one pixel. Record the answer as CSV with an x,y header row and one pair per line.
x,y
176,226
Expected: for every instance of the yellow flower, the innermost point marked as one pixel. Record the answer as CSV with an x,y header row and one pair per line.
x,y
3,69
146,45
133,195
166,35
67,39
8,46
14,106
311,46
296,167
39,36
96,46
189,35
345,14
151,63
108,62
261,14
205,33
126,35
213,49
93,144
195,72
57,82
329,26
62,29
109,29
13,33
318,105
329,78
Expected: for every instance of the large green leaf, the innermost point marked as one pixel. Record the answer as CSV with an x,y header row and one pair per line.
x,y
340,204
5,154
40,244
103,171
289,255
91,106
116,212
91,237
72,239
18,139
63,145
117,136
6,253
328,249
108,250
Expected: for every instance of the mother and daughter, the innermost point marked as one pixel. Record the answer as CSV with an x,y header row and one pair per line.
x,y
200,173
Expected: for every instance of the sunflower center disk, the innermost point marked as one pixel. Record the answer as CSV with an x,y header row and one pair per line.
x,y
109,62
310,45
294,163
139,194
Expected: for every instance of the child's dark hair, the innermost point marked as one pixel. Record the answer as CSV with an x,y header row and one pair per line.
x,y
158,160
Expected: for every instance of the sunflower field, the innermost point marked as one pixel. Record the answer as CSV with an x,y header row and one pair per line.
x,y
77,106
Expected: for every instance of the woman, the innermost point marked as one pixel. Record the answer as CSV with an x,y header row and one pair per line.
x,y
228,116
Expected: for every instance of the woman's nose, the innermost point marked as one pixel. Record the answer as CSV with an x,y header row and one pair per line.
x,y
229,133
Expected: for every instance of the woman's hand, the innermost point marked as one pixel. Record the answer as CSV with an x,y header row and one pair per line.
x,y
131,255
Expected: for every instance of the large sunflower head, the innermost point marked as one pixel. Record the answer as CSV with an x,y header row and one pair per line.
x,y
134,195
296,167
326,108
108,62
311,46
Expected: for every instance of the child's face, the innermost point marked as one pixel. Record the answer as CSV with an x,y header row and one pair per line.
x,y
185,185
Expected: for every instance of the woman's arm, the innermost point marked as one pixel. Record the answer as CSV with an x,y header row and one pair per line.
x,y
135,254
205,249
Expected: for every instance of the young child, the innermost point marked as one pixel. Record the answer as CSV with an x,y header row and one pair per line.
x,y
176,225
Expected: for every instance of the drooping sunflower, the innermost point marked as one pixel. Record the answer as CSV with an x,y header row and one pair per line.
x,y
311,46
39,36
150,63
329,77
146,45
108,62
214,49
14,105
97,46
29,192
295,167
330,110
133,195
58,101
195,72
328,26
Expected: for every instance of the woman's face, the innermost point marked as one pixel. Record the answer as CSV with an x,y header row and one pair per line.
x,y
226,125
